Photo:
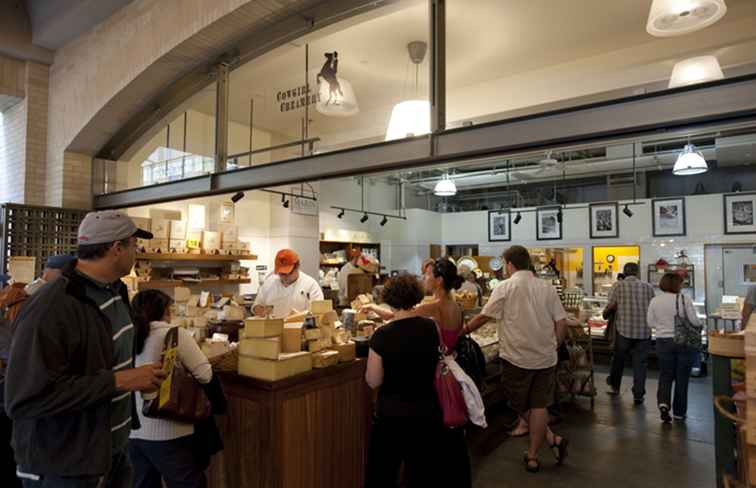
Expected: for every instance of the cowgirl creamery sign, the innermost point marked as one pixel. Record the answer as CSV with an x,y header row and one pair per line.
x,y
296,98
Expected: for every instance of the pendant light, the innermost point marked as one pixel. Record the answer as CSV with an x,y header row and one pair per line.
x,y
445,187
695,70
690,162
411,117
669,18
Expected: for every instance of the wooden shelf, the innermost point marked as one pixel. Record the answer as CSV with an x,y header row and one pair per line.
x,y
173,283
195,257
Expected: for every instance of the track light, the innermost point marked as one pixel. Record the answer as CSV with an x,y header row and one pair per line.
x,y
284,201
364,218
627,211
237,196
559,216
384,221
341,214
518,218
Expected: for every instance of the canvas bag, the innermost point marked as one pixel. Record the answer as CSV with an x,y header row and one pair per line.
x,y
180,397
449,392
686,332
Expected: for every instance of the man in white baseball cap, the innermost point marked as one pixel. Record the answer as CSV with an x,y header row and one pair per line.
x,y
71,376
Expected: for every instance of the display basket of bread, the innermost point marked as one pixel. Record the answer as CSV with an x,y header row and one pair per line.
x,y
467,299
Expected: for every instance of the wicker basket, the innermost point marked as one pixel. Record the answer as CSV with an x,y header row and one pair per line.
x,y
727,345
228,361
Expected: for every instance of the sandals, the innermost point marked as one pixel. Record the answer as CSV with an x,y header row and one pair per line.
x,y
531,464
561,449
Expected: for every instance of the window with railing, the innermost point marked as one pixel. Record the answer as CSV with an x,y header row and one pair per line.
x,y
166,164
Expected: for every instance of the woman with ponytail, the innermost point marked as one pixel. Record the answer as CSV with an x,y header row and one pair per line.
x,y
163,448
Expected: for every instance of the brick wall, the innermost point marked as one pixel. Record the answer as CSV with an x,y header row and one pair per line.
x,y
13,153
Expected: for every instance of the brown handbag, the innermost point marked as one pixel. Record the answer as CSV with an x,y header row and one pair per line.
x,y
180,396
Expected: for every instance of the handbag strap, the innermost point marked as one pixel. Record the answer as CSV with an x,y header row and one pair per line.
x,y
680,296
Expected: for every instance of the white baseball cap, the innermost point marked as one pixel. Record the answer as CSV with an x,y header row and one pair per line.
x,y
108,226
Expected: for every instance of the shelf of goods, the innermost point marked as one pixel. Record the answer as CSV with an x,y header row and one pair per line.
x,y
174,283
195,257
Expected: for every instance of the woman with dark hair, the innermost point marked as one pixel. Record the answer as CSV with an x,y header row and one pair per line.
x,y
439,279
675,360
165,448
408,425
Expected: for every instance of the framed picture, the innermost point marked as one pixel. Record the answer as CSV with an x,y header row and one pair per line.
x,y
668,216
603,220
548,225
740,213
499,225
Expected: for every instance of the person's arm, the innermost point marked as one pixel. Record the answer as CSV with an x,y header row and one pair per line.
x,y
651,315
374,372
39,381
493,308
259,307
692,314
192,357
382,312
560,329
559,315
475,323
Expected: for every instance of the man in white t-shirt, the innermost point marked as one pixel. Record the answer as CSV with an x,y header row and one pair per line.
x,y
286,290
349,268
531,323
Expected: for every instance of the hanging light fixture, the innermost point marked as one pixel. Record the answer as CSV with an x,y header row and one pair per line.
x,y
384,221
669,18
690,162
627,211
445,187
517,218
341,214
695,70
411,117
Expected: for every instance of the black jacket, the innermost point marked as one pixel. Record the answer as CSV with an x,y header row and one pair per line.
x,y
60,382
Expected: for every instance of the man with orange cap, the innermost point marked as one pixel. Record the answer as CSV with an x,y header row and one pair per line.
x,y
288,289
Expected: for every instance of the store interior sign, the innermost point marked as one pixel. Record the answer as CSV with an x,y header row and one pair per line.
x,y
335,94
303,205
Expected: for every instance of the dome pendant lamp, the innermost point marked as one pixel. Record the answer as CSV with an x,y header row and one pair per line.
x,y
412,117
695,70
669,18
690,162
445,187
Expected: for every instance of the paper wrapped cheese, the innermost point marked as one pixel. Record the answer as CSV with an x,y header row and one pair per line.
x,y
272,370
318,307
266,348
257,327
291,340
324,359
347,352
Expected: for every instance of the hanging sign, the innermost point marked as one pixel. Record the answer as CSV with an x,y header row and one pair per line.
x,y
335,94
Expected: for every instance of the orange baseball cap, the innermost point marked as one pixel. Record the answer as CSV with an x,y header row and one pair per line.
x,y
286,261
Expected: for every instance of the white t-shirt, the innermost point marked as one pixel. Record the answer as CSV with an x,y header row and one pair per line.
x,y
525,309
344,273
284,299
662,311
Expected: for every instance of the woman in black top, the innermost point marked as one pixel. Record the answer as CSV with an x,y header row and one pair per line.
x,y
408,425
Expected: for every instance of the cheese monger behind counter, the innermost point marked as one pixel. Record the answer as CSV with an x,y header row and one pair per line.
x,y
286,290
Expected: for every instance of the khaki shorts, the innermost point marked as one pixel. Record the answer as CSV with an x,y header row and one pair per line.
x,y
528,388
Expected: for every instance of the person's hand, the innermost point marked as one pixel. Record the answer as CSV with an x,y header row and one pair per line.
x,y
262,310
144,378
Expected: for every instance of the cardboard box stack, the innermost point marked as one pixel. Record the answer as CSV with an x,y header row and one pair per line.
x,y
261,355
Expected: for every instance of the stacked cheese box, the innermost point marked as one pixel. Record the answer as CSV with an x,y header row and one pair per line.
x,y
273,349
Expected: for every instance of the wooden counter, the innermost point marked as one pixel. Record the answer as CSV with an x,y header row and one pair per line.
x,y
308,431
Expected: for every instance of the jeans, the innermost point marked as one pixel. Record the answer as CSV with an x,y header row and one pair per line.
x,y
675,363
638,349
176,461
433,455
119,476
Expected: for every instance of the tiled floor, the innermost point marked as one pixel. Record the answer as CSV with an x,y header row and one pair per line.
x,y
615,445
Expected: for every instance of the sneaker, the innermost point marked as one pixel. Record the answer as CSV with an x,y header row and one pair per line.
x,y
665,414
679,418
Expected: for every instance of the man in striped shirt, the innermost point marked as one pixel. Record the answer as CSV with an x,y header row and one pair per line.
x,y
70,377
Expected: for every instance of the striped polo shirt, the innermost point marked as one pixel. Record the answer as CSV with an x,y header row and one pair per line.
x,y
107,297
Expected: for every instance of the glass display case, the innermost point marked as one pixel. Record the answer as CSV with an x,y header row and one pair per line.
x,y
590,313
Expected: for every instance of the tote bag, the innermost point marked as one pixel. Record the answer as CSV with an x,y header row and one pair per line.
x,y
686,332
449,391
180,397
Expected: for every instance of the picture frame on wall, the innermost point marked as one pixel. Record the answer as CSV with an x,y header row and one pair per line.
x,y
548,223
740,213
499,225
668,217
604,220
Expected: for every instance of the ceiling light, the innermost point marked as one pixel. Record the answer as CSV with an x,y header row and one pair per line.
x,y
669,18
341,214
695,70
284,201
627,211
518,218
384,221
445,187
237,196
411,117
364,218
690,162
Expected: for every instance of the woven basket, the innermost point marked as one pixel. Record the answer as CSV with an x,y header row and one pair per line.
x,y
228,361
727,345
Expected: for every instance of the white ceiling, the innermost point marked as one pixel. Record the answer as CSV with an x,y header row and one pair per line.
x,y
488,40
